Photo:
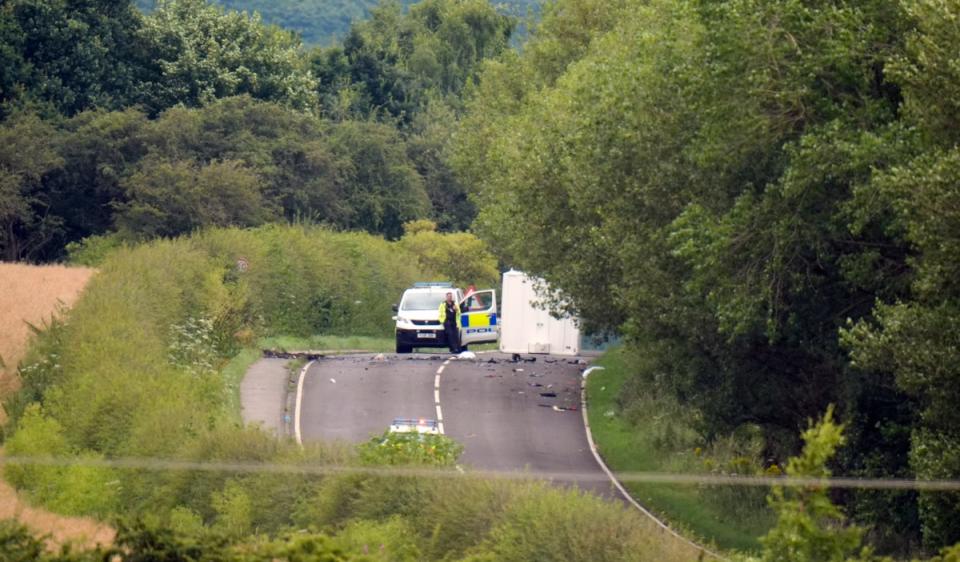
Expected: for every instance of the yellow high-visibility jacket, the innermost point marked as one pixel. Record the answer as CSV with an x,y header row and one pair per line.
x,y
443,312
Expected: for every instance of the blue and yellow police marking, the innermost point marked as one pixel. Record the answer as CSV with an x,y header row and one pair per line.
x,y
478,320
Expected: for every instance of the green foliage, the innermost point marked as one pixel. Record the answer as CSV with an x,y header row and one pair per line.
x,y
41,369
391,65
461,256
393,540
27,154
410,449
167,199
203,53
639,426
736,181
69,57
810,527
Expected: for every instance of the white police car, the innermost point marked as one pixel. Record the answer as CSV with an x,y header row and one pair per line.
x,y
415,425
418,316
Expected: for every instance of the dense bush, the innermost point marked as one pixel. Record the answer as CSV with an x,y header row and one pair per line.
x,y
137,369
761,196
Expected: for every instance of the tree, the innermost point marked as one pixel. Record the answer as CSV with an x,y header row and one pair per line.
x,y
75,55
385,190
174,198
200,53
810,528
460,255
27,154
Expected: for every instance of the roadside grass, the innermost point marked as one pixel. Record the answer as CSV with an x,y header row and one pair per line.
x,y
327,343
655,437
233,373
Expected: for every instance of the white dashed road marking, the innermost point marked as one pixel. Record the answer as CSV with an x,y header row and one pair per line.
x,y
436,396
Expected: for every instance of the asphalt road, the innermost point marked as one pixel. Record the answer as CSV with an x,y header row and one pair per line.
x,y
509,416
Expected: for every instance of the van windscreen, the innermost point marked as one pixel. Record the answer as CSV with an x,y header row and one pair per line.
x,y
422,301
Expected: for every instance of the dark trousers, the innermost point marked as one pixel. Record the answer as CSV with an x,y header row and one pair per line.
x,y
453,336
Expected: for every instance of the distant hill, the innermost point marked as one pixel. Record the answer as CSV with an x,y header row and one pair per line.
x,y
324,22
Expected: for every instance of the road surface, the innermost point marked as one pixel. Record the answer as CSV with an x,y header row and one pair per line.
x,y
509,416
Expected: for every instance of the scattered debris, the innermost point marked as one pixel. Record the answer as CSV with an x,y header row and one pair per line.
x,y
490,376
592,369
533,374
516,358
531,360
334,381
518,370
467,355
284,354
564,409
534,384
492,360
548,394
379,357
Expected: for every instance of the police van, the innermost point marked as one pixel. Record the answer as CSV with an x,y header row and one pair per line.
x,y
418,316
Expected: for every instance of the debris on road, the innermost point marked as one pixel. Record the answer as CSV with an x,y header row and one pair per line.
x,y
534,384
518,370
334,381
548,394
379,357
592,369
284,354
467,355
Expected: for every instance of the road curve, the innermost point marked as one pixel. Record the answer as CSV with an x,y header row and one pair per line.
x,y
509,416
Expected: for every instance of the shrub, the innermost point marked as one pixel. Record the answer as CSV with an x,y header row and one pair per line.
x,y
410,448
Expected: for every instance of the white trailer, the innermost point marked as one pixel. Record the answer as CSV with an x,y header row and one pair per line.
x,y
528,328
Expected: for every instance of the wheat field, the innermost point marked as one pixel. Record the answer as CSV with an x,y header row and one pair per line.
x,y
33,295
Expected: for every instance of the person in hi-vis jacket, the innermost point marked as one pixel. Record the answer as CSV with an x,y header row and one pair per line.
x,y
450,318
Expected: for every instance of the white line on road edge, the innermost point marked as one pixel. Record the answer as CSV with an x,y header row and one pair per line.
x,y
619,486
296,409
436,396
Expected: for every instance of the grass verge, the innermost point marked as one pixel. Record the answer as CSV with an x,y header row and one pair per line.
x,y
233,373
327,343
637,444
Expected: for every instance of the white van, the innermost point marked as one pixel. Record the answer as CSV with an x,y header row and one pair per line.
x,y
418,316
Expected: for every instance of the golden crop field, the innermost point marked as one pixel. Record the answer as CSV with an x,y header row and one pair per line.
x,y
31,294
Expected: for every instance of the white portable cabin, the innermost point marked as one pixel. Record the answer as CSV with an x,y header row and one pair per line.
x,y
527,328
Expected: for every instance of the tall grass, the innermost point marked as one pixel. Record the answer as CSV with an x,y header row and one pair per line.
x,y
637,429
143,367
146,366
